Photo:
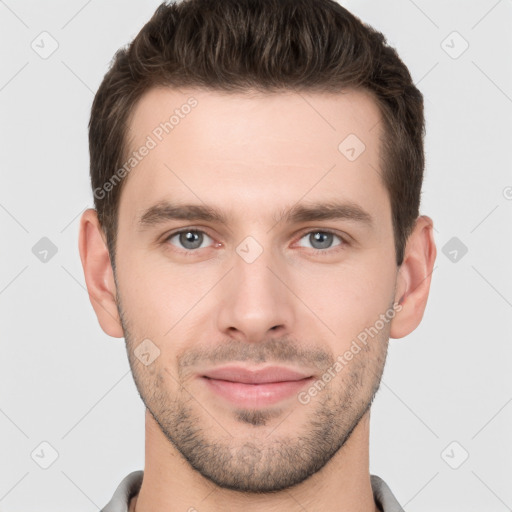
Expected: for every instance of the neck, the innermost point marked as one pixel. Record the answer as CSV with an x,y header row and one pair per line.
x,y
170,483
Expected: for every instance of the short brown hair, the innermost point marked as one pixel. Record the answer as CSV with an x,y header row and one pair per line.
x,y
269,46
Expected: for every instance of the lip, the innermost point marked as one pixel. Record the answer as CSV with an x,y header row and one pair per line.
x,y
270,374
257,387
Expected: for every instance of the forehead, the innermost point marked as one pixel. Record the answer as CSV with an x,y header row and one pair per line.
x,y
217,115
252,148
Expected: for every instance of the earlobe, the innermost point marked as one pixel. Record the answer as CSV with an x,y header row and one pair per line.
x,y
99,276
414,277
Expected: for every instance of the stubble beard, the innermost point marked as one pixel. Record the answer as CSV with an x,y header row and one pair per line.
x,y
266,459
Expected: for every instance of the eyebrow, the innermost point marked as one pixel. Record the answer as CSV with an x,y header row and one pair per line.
x,y
331,210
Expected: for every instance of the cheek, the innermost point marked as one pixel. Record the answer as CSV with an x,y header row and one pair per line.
x,y
156,296
159,298
347,299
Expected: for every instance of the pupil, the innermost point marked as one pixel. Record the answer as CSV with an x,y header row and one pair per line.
x,y
323,238
190,237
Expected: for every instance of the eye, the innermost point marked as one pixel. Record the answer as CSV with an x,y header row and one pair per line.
x,y
188,239
322,240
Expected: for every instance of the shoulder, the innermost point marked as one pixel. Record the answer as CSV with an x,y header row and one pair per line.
x,y
129,486
383,496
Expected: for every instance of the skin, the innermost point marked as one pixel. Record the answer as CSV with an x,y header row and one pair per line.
x,y
252,156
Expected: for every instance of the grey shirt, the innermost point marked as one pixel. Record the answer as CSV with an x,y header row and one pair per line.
x,y
130,486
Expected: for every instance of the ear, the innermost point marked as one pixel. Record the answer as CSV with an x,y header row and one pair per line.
x,y
99,276
414,276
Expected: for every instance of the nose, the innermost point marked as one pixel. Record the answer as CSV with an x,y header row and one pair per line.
x,y
255,300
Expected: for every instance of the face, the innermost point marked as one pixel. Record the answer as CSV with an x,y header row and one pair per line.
x,y
248,238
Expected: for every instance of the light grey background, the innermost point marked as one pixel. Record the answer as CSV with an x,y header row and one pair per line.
x,y
64,382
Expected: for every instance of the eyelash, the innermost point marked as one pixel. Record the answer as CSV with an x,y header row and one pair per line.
x,y
329,251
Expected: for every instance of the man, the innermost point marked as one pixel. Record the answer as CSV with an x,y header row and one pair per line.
x,y
257,168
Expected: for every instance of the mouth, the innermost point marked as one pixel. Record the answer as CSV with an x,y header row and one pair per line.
x,y
255,387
